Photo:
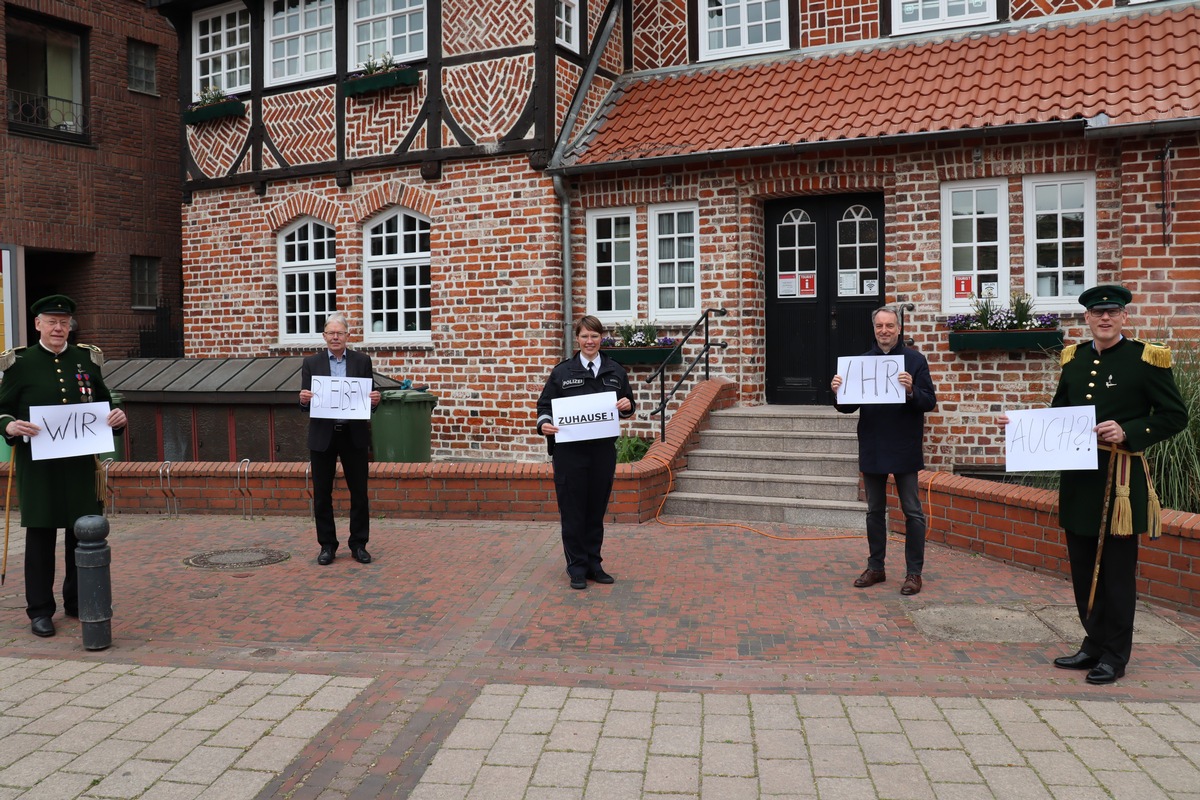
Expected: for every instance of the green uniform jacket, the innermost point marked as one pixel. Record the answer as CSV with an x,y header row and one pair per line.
x,y
53,492
1124,385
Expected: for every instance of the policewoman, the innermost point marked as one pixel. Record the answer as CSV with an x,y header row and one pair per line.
x,y
1104,510
584,470
53,492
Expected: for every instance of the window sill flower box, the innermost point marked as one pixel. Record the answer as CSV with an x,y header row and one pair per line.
x,y
225,108
644,355
1028,339
365,84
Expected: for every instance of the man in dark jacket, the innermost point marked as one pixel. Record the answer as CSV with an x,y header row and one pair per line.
x,y
891,442
329,439
54,492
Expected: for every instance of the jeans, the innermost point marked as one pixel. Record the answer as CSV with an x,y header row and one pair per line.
x,y
914,520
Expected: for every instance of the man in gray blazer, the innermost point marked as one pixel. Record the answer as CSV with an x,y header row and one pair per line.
x,y
329,439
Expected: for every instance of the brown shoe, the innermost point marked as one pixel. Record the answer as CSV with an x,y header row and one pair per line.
x,y
912,584
870,577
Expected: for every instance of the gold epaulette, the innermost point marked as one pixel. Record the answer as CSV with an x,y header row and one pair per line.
x,y
1068,353
8,358
97,354
1156,355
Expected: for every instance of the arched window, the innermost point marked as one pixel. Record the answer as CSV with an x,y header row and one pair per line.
x,y
796,238
858,252
307,279
396,267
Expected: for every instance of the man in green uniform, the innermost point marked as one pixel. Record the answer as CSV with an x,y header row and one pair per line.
x,y
1103,511
53,492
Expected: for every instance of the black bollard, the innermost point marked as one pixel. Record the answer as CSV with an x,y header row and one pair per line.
x,y
92,558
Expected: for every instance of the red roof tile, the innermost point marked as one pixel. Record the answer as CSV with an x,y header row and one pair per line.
x,y
1132,67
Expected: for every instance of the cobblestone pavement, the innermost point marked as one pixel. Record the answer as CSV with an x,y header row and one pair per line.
x,y
722,664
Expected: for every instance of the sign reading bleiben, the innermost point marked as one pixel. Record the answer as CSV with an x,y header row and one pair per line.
x,y
589,416
1044,439
340,398
70,430
870,380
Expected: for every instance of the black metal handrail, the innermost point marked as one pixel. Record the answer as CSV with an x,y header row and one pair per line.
x,y
54,114
663,395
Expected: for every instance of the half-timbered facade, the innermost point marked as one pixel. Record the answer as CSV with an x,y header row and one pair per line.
x,y
795,163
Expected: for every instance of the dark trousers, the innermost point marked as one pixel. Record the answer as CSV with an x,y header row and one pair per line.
x,y
583,480
39,572
1109,629
324,467
914,520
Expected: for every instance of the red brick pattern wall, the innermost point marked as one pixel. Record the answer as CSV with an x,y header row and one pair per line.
x,y
1031,9
301,124
377,123
116,198
469,26
825,22
487,97
660,38
215,144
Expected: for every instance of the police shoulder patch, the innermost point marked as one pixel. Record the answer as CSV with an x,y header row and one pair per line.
x,y
9,357
97,354
1068,353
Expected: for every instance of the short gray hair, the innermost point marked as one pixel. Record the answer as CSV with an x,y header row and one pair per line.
x,y
337,317
885,310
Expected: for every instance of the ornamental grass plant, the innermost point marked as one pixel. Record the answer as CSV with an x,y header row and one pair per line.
x,y
1176,462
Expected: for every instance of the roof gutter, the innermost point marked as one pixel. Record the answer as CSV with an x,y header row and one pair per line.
x,y
1058,126
1099,127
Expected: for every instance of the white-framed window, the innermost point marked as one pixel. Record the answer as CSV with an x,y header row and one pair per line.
x,y
1060,238
395,27
741,27
299,40
612,265
796,255
399,302
858,253
911,16
307,279
566,23
975,261
221,48
674,269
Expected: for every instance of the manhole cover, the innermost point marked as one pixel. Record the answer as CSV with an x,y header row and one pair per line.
x,y
237,559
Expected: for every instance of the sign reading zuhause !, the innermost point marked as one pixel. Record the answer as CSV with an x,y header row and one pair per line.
x,y
1044,439
870,380
70,430
589,416
340,398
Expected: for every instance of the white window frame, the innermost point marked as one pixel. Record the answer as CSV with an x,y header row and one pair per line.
x,y
946,14
593,218
308,267
309,40
707,18
566,23
411,252
849,254
1030,184
654,237
385,42
232,78
961,305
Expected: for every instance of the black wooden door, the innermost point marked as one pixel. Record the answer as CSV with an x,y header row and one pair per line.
x,y
824,277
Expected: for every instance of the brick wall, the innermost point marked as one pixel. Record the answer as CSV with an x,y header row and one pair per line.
x,y
101,204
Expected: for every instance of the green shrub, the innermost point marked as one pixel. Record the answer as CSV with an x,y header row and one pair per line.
x,y
1176,462
631,448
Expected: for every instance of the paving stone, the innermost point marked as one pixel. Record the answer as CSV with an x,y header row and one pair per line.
x,y
672,774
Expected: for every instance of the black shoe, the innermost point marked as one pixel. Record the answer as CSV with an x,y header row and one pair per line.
x,y
326,556
41,626
600,576
578,582
1080,660
1104,673
361,555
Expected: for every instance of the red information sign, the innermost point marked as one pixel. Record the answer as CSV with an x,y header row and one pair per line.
x,y
808,285
963,286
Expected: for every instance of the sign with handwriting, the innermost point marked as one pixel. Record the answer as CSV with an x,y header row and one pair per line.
x,y
588,416
1045,439
340,398
870,379
74,429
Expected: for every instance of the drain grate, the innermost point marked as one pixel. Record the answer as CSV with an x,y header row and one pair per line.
x,y
237,559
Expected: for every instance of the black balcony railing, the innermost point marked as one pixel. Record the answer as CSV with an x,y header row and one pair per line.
x,y
55,115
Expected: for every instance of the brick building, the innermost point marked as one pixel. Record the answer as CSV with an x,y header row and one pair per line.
x,y
794,163
89,171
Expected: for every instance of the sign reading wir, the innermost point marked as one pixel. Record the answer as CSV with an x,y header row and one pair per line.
x,y
80,429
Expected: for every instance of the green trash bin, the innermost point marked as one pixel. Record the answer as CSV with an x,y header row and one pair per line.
x,y
118,453
401,427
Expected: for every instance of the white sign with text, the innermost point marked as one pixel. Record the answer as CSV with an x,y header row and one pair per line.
x,y
588,416
340,398
870,380
1045,439
70,430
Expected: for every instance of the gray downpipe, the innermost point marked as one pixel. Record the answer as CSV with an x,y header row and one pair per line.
x,y
564,236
